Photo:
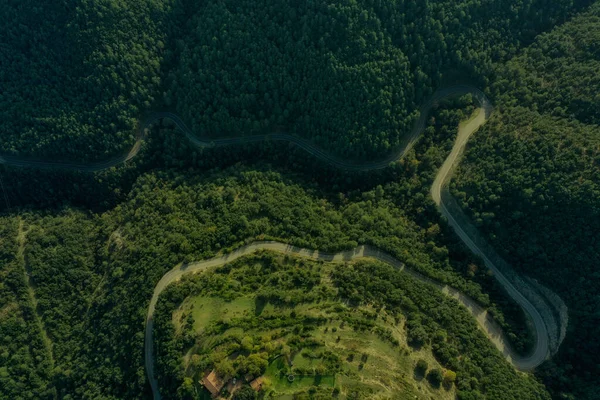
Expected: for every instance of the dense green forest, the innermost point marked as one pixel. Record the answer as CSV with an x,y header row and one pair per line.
x,y
559,74
531,181
77,76
25,365
309,308
80,253
350,75
93,293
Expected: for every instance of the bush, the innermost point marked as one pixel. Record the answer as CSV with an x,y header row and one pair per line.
x,y
245,393
449,377
435,377
422,367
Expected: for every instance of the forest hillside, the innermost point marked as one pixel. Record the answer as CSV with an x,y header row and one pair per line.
x,y
531,181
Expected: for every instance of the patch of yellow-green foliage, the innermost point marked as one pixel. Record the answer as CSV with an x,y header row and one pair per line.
x,y
313,347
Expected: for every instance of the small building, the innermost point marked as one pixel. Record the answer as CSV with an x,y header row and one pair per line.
x,y
213,383
257,383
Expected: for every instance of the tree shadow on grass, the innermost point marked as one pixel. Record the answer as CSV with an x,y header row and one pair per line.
x,y
418,374
259,305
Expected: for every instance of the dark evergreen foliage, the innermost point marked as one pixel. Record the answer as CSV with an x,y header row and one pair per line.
x,y
531,181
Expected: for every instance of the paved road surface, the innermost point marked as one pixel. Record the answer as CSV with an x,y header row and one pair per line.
x,y
541,350
487,324
304,144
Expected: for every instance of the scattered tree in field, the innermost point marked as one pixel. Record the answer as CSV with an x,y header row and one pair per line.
x,y
435,377
421,367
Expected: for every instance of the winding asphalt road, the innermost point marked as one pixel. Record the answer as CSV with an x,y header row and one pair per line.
x,y
485,321
403,148
541,350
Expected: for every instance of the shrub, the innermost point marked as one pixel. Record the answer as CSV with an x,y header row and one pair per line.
x,y
435,377
422,366
449,377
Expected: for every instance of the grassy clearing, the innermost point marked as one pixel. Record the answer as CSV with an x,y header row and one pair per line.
x,y
282,385
371,366
327,346
209,309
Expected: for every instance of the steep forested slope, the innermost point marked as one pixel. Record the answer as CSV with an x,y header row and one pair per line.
x,y
25,365
93,275
531,181
349,75
76,76
560,73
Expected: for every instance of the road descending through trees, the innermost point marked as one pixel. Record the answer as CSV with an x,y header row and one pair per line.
x,y
406,144
541,312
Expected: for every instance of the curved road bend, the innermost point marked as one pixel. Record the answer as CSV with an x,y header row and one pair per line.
x,y
541,348
407,142
486,322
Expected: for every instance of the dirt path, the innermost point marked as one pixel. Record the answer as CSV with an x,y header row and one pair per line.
x,y
21,240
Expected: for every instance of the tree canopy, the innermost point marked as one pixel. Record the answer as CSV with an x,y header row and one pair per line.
x,y
531,181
